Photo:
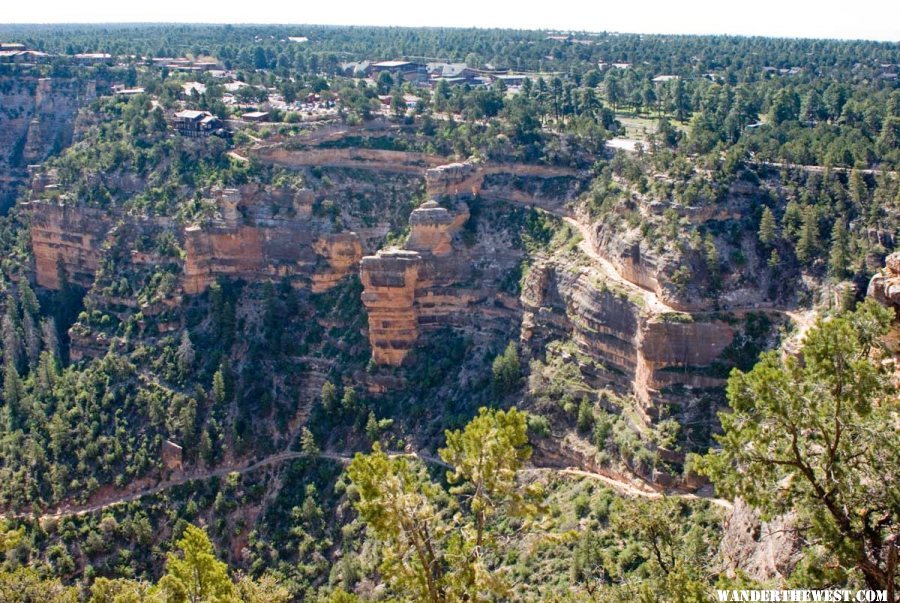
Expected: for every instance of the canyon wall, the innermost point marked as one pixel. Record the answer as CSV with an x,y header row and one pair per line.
x,y
37,118
246,243
638,352
66,236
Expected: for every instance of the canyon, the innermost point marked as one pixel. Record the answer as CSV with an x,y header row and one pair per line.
x,y
459,266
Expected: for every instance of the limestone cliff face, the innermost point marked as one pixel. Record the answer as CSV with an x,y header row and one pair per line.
x,y
640,352
405,289
431,229
389,280
66,234
255,247
537,185
263,246
37,117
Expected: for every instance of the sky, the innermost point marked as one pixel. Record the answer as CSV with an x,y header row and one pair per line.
x,y
867,19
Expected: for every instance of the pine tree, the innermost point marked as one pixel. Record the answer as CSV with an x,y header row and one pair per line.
x,y
858,189
329,396
28,299
808,243
219,391
196,574
308,444
32,339
13,392
437,547
349,400
185,353
372,427
51,340
12,341
767,227
839,256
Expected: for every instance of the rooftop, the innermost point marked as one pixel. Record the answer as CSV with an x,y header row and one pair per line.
x,y
391,64
191,114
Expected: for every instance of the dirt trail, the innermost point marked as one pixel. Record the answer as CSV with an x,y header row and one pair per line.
x,y
622,486
651,300
627,488
71,510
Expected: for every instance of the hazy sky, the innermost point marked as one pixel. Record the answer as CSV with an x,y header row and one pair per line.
x,y
871,19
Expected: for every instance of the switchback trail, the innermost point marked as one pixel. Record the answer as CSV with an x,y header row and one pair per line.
x,y
621,486
650,298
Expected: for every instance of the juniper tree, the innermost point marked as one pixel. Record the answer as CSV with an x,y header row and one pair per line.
x,y
816,435
440,546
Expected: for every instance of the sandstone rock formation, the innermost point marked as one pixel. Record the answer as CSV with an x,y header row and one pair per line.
x,y
389,280
642,352
67,236
430,229
885,286
296,247
404,288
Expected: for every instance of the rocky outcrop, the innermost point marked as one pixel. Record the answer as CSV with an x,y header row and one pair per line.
x,y
389,281
404,289
296,247
548,187
431,228
763,550
248,242
454,179
885,286
640,353
67,236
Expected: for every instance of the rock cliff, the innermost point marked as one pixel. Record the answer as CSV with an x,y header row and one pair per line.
x,y
247,242
763,550
37,118
67,236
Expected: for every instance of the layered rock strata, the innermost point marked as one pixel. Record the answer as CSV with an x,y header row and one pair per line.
x,y
255,247
66,237
638,351
405,289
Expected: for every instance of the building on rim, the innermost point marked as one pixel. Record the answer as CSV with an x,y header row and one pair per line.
x,y
196,124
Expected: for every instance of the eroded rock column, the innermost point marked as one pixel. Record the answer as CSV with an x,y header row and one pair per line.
x,y
389,281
